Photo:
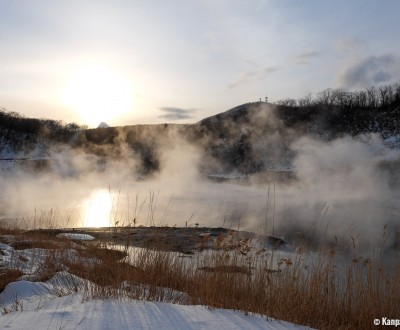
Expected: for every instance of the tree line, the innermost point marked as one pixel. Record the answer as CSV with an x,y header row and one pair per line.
x,y
53,129
385,96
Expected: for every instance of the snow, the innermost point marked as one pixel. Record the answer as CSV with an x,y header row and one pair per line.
x,y
66,302
23,290
77,237
392,142
142,291
28,305
30,261
388,149
103,125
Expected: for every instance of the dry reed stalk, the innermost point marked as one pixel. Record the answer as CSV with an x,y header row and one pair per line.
x,y
321,292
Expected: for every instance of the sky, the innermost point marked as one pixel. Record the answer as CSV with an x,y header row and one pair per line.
x,y
127,62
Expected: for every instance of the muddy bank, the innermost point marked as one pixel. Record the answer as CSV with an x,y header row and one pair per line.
x,y
178,239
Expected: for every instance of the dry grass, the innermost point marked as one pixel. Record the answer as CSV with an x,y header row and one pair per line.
x,y
325,291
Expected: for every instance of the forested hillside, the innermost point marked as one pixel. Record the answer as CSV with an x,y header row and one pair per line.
x,y
247,139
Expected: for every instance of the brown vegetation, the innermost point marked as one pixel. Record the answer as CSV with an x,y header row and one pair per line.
x,y
320,292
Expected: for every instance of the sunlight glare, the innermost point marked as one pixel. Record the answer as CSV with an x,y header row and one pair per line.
x,y
98,209
98,94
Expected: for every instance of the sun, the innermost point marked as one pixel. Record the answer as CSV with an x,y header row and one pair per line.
x,y
98,94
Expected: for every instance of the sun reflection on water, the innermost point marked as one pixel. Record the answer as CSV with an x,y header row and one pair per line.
x,y
98,208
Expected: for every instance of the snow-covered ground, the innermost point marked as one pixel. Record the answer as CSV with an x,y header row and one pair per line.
x,y
69,302
76,237
28,305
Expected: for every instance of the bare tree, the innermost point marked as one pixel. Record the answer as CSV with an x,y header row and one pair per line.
x,y
372,97
325,97
339,97
386,95
288,102
305,101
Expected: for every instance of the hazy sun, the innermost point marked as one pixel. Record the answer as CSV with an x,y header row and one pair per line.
x,y
98,209
98,94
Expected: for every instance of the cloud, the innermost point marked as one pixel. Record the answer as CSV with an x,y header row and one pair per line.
x,y
372,70
251,76
173,113
305,58
349,44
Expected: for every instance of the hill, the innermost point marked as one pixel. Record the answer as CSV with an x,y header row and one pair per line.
x,y
247,139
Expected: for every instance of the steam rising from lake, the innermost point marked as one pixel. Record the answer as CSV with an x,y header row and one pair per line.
x,y
342,189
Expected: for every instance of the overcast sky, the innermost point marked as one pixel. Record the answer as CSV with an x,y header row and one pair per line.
x,y
180,61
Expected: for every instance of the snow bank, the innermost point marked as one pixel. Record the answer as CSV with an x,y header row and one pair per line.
x,y
77,237
38,310
17,291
